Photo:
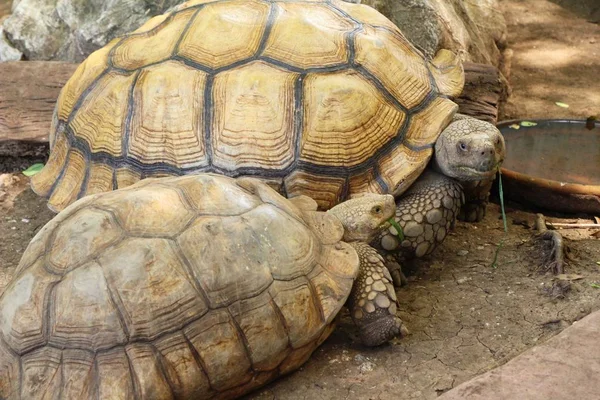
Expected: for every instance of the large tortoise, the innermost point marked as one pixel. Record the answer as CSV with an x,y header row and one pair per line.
x,y
322,98
188,287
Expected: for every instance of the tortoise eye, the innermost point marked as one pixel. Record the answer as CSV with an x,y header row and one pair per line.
x,y
462,146
377,210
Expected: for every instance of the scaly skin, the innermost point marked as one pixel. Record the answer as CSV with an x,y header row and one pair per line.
x,y
456,185
373,302
425,215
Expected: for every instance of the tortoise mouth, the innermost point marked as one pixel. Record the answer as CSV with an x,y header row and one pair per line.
x,y
467,173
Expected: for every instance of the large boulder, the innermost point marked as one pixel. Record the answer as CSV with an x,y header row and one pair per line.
x,y
69,30
474,28
7,51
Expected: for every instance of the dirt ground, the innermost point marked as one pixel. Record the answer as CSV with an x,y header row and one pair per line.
x,y
466,313
556,58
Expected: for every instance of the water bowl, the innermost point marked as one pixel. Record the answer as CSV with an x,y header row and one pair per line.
x,y
553,164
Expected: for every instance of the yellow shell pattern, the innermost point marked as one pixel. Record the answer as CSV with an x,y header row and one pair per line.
x,y
322,98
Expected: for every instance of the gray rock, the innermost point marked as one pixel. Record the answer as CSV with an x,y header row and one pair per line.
x,y
474,28
69,30
7,52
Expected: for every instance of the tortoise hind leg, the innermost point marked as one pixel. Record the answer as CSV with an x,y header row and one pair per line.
x,y
372,301
425,214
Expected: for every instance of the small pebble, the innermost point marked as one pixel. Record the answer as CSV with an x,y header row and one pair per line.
x,y
462,280
26,220
366,367
462,253
360,358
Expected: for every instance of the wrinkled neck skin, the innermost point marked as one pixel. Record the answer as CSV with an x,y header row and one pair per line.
x,y
469,150
364,217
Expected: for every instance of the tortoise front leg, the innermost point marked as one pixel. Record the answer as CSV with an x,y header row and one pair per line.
x,y
373,302
477,195
425,214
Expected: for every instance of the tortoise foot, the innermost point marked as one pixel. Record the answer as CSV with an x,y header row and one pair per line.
x,y
473,211
373,301
395,270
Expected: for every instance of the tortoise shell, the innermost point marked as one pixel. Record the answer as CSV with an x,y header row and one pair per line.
x,y
183,287
322,98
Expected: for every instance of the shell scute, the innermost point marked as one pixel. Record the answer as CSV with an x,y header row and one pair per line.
x,y
308,37
299,308
187,377
216,340
166,212
114,375
253,126
100,120
146,366
331,292
151,286
346,119
80,237
78,378
242,22
23,306
395,63
41,373
167,123
100,327
259,322
156,45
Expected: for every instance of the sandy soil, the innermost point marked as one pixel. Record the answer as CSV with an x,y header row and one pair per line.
x,y
556,58
466,313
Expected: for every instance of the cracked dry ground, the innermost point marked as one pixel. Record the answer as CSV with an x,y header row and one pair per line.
x,y
465,317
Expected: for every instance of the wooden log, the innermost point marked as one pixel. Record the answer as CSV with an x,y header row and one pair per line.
x,y
484,91
28,93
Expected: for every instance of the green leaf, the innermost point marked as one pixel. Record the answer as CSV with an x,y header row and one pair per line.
x,y
34,169
396,226
595,285
528,123
563,105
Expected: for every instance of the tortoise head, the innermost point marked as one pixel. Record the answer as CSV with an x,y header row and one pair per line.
x,y
469,150
364,217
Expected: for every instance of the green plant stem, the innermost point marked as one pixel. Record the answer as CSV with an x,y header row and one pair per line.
x,y
501,193
396,226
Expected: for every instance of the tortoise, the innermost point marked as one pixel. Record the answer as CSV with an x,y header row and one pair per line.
x,y
323,98
200,286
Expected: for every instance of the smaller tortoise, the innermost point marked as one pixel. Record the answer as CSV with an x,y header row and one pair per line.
x,y
200,286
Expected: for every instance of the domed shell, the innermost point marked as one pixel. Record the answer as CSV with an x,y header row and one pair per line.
x,y
186,287
322,98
